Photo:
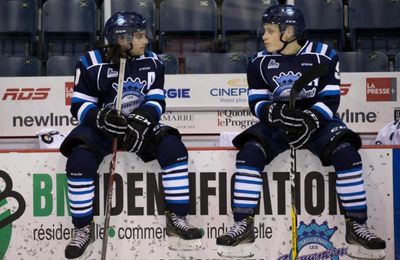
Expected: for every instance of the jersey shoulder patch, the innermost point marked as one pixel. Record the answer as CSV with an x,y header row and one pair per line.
x,y
92,58
319,48
150,54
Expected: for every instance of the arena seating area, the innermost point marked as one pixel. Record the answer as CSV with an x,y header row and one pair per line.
x,y
45,37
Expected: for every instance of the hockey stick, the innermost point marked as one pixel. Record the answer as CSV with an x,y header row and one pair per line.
x,y
314,72
110,186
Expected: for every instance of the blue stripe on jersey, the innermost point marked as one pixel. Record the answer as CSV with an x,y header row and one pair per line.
x,y
322,112
332,53
154,97
84,61
258,96
79,100
329,93
98,56
319,47
84,112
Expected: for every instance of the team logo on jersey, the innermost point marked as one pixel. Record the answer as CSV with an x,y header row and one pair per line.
x,y
273,64
112,73
284,82
132,95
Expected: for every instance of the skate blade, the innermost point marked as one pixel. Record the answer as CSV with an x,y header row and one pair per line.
x,y
239,251
360,252
179,244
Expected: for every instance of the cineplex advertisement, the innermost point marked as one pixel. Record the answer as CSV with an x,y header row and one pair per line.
x,y
35,221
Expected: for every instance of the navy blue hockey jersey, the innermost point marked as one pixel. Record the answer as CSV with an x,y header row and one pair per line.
x,y
271,76
96,84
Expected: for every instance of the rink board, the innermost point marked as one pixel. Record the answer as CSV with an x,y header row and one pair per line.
x,y
35,223
196,103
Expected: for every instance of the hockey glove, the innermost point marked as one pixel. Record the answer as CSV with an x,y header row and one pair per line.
x,y
111,123
299,136
139,133
281,116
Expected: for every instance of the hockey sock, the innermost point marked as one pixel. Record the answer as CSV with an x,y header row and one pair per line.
x,y
250,162
81,170
173,158
350,182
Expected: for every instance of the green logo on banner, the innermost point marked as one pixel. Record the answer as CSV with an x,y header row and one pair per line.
x,y
7,217
5,232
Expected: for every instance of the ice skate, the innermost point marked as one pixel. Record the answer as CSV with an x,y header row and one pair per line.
x,y
181,235
363,244
81,239
238,241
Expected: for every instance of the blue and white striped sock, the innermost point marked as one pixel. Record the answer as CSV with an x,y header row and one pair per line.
x,y
175,180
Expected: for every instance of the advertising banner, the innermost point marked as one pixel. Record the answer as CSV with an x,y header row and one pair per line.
x,y
35,222
195,103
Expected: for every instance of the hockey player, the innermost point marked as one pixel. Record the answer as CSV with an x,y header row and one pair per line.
x,y
313,125
136,128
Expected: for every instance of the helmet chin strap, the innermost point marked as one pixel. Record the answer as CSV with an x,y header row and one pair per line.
x,y
285,43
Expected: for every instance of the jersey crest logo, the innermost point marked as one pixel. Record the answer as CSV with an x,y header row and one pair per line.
x,y
284,82
112,73
132,95
273,64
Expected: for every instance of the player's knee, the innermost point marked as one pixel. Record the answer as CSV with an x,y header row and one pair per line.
x,y
170,150
345,156
253,154
81,163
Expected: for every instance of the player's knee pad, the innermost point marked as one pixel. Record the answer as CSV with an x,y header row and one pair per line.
x,y
82,163
252,154
170,150
345,156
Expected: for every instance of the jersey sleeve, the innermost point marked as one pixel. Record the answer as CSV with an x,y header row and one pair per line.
x,y
86,95
328,96
259,91
155,99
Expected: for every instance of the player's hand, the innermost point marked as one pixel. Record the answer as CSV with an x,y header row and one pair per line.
x,y
299,136
111,123
281,116
139,132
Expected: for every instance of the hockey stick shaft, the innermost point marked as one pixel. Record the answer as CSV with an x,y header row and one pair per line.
x,y
315,72
110,185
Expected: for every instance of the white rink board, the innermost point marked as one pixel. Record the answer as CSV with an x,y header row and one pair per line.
x,y
32,234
